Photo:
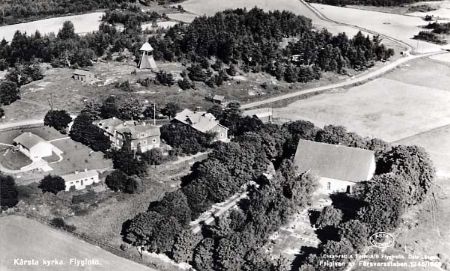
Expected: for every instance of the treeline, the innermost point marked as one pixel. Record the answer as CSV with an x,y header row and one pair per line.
x,y
251,39
435,35
17,11
68,48
383,3
129,16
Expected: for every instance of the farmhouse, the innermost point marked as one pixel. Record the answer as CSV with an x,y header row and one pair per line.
x,y
79,180
264,114
83,76
338,167
143,136
33,146
204,123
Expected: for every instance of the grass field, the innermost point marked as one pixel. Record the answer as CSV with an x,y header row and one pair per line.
x,y
83,23
393,25
35,241
391,108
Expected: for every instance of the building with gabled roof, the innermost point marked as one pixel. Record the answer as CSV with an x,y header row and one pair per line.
x,y
80,180
338,167
83,75
203,122
33,146
143,136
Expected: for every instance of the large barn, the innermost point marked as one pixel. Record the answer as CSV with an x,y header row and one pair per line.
x,y
338,167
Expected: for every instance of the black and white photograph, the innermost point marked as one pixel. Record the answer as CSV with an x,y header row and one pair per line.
x,y
224,135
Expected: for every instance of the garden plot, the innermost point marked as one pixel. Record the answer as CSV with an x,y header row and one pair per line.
x,y
383,108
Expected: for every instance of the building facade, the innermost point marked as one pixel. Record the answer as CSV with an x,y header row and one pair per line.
x,y
338,167
203,122
143,137
80,180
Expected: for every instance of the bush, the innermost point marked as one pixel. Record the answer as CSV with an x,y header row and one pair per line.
x,y
165,78
185,84
59,223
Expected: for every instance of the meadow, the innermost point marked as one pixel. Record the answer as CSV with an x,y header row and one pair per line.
x,y
30,237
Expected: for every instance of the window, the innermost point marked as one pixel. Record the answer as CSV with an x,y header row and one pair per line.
x,y
154,140
328,186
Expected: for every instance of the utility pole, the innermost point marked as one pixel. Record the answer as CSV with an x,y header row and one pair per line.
x,y
154,114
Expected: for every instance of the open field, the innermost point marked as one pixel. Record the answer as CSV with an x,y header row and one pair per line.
x,y
390,109
208,7
83,23
393,25
442,12
35,241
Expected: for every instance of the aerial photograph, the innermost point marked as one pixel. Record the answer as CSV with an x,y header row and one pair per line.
x,y
224,135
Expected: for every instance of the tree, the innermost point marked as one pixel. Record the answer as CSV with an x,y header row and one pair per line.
x,y
67,31
171,110
58,119
165,78
52,184
411,163
230,253
9,92
2,112
329,216
153,156
216,110
185,242
184,137
342,247
8,192
126,161
87,133
116,180
203,255
356,232
385,197
174,204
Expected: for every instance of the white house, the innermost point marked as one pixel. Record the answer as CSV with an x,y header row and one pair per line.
x,y
79,180
33,146
338,167
204,123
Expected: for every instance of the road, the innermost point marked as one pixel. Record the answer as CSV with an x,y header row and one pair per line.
x,y
359,79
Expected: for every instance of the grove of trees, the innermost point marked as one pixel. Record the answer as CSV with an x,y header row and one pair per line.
x,y
232,242
251,40
382,3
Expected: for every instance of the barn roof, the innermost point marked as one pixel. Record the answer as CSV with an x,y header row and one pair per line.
x,y
200,121
29,140
333,161
218,98
80,175
146,47
82,72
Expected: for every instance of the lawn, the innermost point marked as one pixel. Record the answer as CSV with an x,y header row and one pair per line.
x,y
391,108
27,239
14,160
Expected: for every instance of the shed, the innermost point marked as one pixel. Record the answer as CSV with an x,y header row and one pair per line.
x,y
83,75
